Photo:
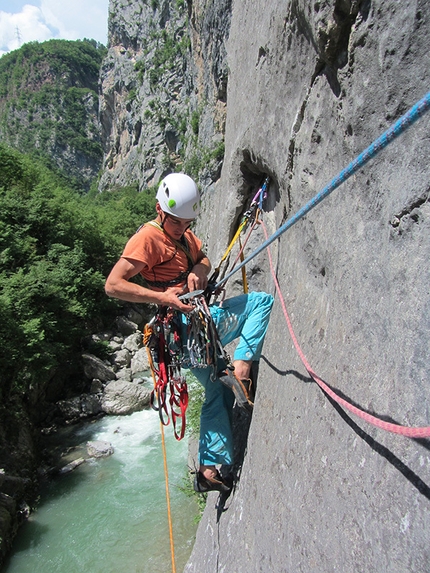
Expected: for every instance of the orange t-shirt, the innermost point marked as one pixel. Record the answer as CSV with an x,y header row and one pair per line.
x,y
164,260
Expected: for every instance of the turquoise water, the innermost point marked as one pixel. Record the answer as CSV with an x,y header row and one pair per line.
x,y
109,515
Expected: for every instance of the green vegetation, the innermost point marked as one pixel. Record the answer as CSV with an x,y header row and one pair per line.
x,y
200,499
61,61
195,119
167,55
196,395
194,161
196,398
56,248
201,158
49,101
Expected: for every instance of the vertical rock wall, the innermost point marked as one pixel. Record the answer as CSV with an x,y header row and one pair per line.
x,y
299,89
141,81
310,86
163,91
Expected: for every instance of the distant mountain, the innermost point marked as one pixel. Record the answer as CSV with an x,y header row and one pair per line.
x,y
49,105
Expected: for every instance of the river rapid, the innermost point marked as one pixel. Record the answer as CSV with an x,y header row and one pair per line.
x,y
109,515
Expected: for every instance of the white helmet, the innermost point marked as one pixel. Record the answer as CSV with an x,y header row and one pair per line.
x,y
178,196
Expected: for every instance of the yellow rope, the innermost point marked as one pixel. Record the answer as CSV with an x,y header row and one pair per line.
x,y
244,279
231,245
236,237
169,515
166,471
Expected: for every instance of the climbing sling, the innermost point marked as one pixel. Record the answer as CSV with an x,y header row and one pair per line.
x,y
250,217
163,341
163,338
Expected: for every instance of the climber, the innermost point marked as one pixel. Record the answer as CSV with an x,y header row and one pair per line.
x,y
169,257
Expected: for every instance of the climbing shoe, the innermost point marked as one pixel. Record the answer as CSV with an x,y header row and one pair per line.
x,y
238,388
203,484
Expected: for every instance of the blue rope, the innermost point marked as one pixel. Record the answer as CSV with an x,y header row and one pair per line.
x,y
415,112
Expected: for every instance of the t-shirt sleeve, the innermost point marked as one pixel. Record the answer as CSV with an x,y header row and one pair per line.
x,y
143,248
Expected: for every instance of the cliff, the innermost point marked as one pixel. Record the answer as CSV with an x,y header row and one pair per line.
x,y
301,89
162,107
49,106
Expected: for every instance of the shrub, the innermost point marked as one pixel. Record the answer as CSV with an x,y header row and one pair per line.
x,y
56,248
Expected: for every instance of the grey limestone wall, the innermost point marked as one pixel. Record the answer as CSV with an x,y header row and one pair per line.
x,y
310,86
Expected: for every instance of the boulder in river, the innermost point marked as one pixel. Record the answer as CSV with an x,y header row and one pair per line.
x,y
99,449
121,397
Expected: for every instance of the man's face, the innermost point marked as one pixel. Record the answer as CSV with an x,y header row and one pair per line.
x,y
174,226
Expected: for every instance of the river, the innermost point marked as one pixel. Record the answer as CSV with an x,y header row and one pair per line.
x,y
109,515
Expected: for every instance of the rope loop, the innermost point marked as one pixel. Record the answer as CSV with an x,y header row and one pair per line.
x,y
163,341
414,432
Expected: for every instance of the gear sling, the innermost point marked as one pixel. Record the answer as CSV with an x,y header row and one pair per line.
x,y
167,353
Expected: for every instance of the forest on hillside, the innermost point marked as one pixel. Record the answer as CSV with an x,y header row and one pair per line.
x,y
49,105
59,238
56,248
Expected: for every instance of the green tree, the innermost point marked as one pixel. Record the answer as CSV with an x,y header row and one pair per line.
x,y
49,104
56,248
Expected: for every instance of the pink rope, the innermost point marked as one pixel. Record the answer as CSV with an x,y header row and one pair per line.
x,y
414,432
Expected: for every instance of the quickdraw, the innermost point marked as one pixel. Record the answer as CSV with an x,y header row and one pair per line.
x,y
163,342
251,216
162,338
203,343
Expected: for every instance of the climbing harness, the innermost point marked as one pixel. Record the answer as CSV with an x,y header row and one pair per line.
x,y
163,340
183,246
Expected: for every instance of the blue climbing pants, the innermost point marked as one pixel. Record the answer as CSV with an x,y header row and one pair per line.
x,y
245,317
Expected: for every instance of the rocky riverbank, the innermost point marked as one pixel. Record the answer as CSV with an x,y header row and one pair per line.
x,y
118,383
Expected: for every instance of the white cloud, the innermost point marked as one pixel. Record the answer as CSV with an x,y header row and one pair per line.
x,y
67,19
26,26
78,19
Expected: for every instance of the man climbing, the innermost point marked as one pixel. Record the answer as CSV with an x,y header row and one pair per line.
x,y
170,259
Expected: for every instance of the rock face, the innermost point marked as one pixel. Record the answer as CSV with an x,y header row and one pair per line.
x,y
162,105
95,368
298,90
310,86
124,398
99,449
115,384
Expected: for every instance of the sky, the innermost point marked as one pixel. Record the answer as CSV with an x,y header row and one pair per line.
x,y
25,21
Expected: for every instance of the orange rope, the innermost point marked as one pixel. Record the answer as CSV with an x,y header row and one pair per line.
x,y
169,515
166,472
